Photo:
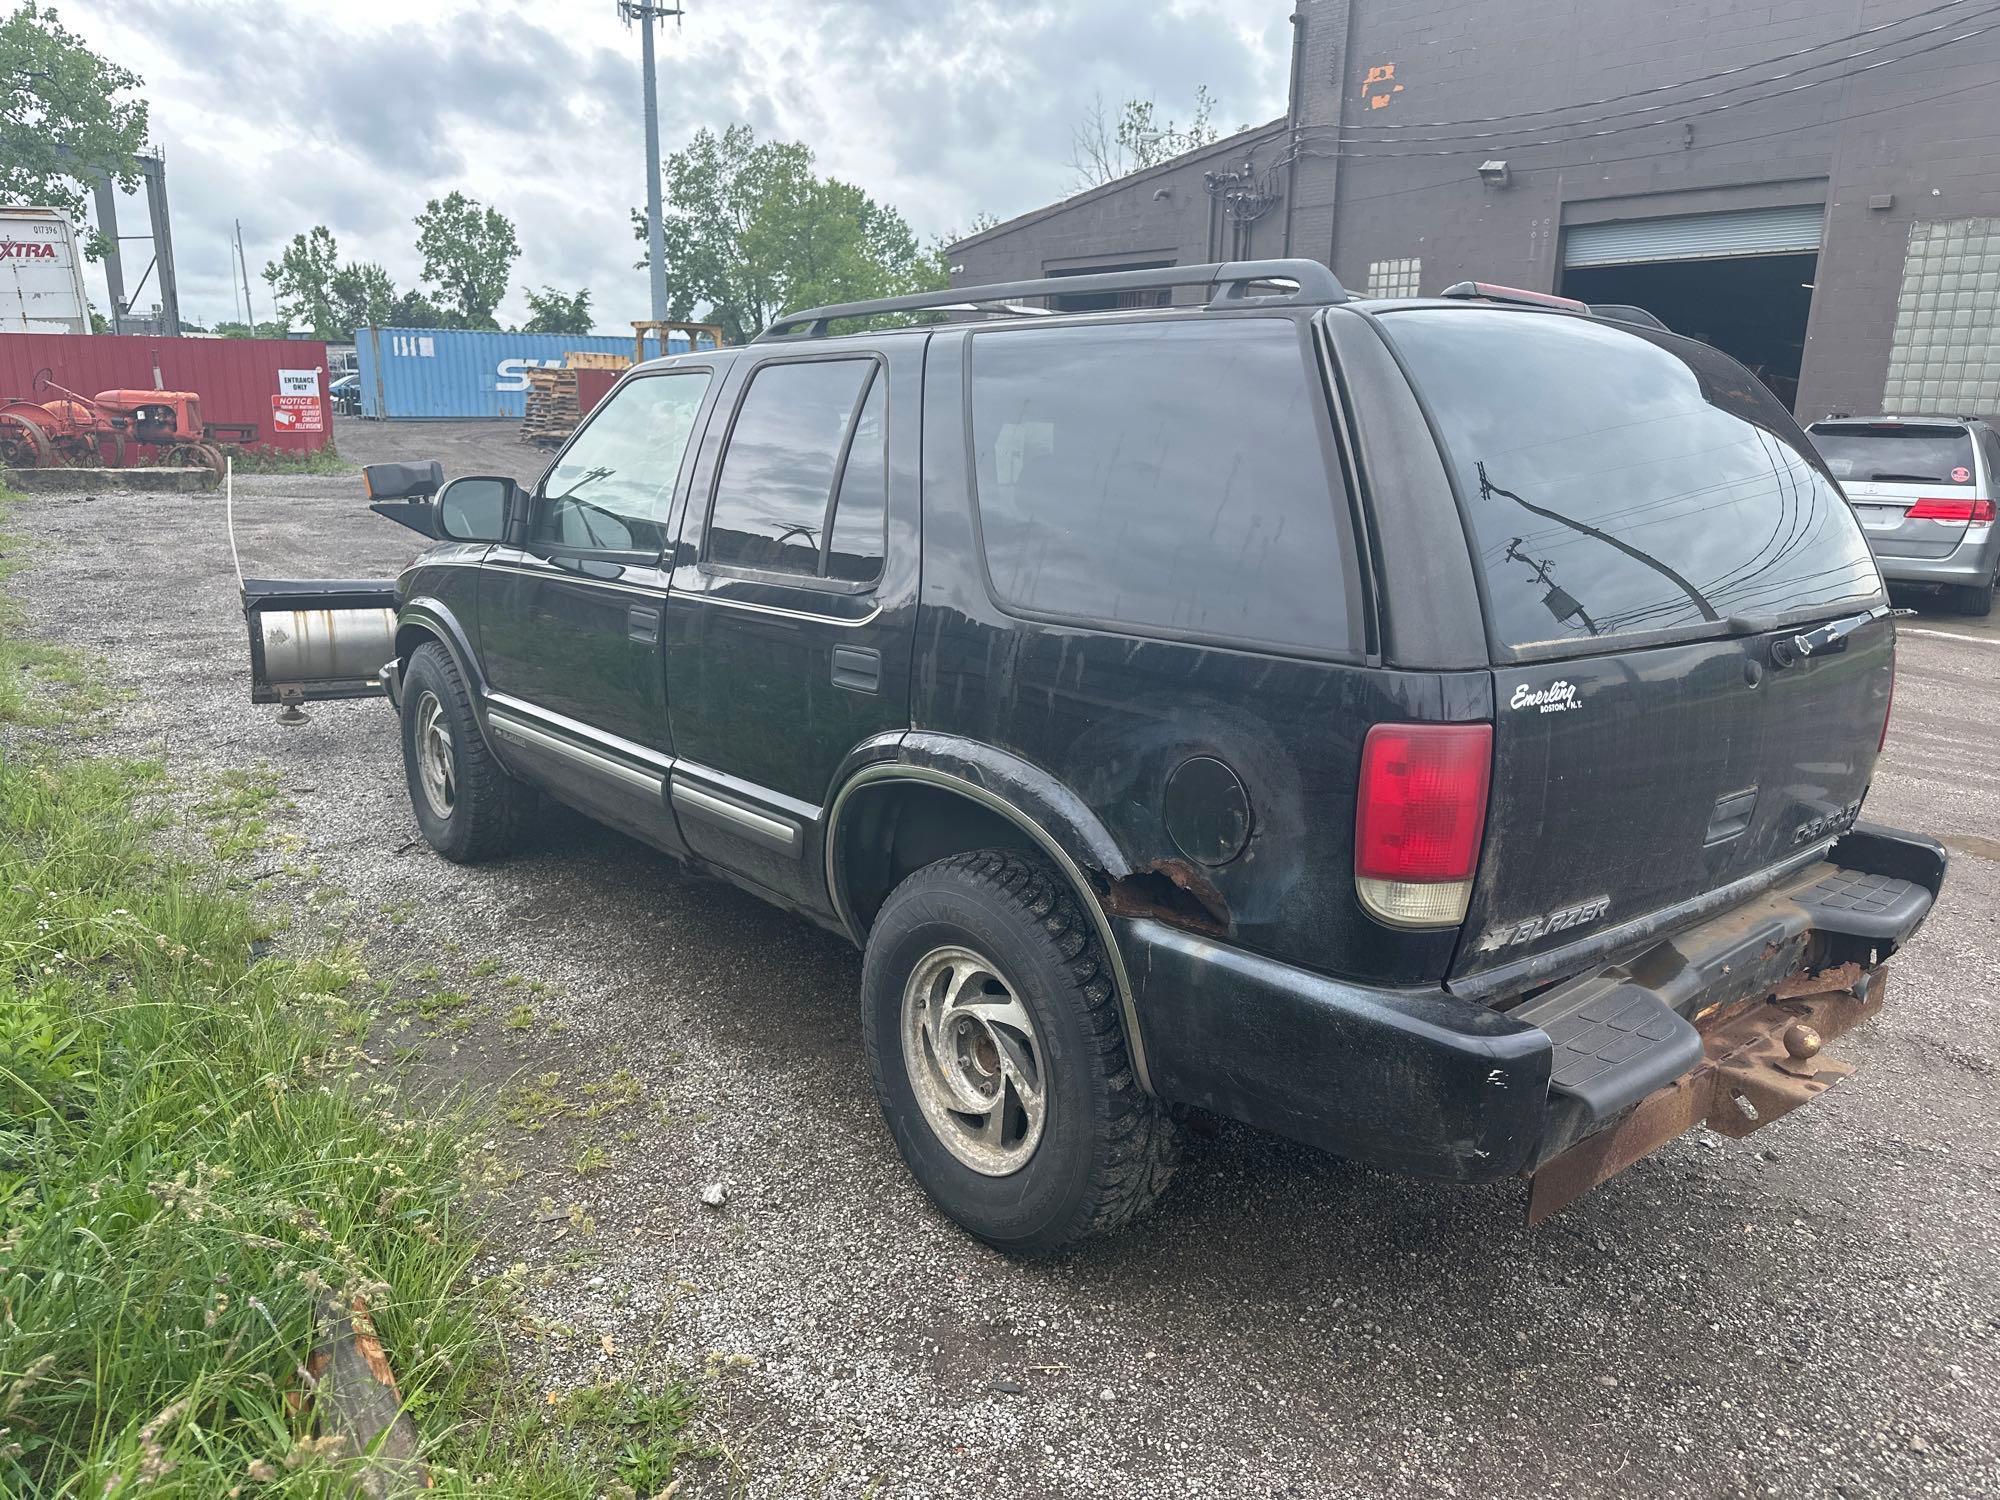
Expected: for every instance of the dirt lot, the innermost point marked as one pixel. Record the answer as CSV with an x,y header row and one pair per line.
x,y
1811,1312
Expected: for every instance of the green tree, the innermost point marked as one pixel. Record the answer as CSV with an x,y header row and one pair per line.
x,y
1108,144
469,252
362,294
314,290
301,278
751,229
550,311
414,310
59,120
236,330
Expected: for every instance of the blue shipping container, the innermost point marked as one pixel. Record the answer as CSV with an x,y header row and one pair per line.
x,y
456,372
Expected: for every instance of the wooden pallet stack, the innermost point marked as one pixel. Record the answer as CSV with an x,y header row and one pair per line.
x,y
552,408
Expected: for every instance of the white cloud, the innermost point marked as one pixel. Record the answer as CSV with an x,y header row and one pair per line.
x,y
353,115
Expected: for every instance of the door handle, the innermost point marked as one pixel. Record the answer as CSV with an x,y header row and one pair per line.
x,y
642,624
857,668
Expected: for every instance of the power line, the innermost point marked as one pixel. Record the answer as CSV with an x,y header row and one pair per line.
x,y
1716,109
1663,88
1737,88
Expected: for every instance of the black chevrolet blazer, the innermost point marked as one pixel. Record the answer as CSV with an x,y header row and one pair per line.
x,y
1436,730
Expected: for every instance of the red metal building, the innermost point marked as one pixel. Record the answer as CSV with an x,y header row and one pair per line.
x,y
238,380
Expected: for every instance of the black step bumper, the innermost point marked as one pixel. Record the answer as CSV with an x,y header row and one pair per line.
x,y
1432,1084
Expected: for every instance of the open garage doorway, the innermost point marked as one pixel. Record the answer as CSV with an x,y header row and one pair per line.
x,y
1751,307
1742,281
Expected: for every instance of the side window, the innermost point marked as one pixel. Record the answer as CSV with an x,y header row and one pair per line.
x,y
776,492
855,554
613,486
1162,478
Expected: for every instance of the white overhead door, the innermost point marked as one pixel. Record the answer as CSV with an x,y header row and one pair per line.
x,y
1750,231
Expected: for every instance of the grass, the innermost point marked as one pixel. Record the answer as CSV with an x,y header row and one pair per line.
x,y
35,678
270,461
196,1155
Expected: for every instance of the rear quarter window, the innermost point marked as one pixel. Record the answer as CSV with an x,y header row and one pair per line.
x,y
1175,479
1619,481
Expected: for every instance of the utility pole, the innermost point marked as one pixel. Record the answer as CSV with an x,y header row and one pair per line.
x,y
645,12
249,312
1561,603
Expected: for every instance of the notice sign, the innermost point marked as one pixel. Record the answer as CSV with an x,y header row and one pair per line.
x,y
297,414
296,407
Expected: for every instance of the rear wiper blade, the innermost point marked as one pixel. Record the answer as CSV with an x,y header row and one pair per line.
x,y
1833,635
1905,479
1827,638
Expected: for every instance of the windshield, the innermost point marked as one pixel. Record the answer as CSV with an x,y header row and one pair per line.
x,y
1896,455
1620,481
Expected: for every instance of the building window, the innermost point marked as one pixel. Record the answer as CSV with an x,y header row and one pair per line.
x,y
1944,358
1394,278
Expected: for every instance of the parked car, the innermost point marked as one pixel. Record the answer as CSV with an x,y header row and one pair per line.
x,y
1924,490
346,393
1433,729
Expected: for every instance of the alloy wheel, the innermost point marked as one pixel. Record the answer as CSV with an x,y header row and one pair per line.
x,y
437,771
974,1061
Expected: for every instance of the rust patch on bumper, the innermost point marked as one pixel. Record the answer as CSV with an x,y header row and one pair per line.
x,y
1761,1060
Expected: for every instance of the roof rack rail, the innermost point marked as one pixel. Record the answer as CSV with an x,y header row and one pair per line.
x,y
1314,285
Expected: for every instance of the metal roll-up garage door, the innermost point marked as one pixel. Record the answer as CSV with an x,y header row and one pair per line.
x,y
1751,231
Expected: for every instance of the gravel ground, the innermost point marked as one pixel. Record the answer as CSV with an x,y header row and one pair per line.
x,y
1809,1312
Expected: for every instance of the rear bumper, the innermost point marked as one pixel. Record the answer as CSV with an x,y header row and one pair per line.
x,y
1436,1085
1970,562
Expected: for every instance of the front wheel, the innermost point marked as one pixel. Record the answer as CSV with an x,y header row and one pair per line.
x,y
999,1056
467,806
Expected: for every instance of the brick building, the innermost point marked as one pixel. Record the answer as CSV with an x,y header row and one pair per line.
x,y
1812,185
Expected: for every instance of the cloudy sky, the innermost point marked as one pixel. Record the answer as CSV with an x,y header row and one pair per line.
x,y
351,114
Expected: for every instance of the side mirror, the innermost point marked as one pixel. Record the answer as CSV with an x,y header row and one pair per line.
x,y
475,508
402,481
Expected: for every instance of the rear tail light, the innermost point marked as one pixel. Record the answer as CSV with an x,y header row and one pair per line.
x,y
1419,818
1975,512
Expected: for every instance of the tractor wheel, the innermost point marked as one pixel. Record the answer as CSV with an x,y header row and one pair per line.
x,y
196,456
23,443
211,456
115,443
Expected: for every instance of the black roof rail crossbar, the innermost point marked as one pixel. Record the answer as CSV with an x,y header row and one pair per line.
x,y
1315,285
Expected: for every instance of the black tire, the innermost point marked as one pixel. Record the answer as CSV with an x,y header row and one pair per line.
x,y
487,808
1973,599
1106,1148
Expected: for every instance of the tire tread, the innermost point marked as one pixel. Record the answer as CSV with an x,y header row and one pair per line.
x,y
497,805
1142,1144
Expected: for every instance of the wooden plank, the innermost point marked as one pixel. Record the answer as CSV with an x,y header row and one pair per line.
x,y
354,1395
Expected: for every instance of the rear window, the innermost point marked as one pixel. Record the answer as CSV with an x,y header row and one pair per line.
x,y
1896,455
1623,482
1170,479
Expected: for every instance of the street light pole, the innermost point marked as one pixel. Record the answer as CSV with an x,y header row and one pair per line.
x,y
645,12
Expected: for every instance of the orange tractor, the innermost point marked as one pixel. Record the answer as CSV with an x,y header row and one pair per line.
x,y
98,430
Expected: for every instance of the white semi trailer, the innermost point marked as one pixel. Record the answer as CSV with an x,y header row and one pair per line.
x,y
41,273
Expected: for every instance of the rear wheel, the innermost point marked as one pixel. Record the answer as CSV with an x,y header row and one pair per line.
x,y
1976,599
24,443
468,808
999,1056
